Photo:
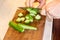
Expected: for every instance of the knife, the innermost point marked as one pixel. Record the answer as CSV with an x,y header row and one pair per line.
x,y
48,30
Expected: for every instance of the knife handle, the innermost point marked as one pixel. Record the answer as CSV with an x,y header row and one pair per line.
x,y
56,29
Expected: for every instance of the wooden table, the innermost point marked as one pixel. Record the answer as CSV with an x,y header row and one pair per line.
x,y
28,34
56,29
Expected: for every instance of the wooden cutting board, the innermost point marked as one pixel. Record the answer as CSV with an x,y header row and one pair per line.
x,y
28,34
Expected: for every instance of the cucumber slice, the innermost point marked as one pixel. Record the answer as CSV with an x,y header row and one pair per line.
x,y
27,21
29,9
20,14
27,17
37,17
33,12
22,18
18,20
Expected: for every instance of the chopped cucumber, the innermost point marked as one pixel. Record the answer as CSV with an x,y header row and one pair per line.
x,y
22,18
15,26
29,9
29,18
36,10
27,27
20,14
18,20
37,17
33,12
27,21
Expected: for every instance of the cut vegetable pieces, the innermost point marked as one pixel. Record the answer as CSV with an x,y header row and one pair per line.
x,y
20,27
27,27
27,21
33,12
15,26
20,19
29,9
37,17
20,14
29,17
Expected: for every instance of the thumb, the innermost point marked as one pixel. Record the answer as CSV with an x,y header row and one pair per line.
x,y
43,11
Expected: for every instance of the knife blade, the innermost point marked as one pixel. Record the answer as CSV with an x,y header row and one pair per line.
x,y
48,30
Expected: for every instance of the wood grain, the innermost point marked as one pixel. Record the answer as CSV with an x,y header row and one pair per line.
x,y
28,34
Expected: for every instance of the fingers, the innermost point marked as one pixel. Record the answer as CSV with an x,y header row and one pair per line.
x,y
42,3
43,11
29,3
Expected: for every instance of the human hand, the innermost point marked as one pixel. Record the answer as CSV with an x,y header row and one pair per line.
x,y
35,3
52,10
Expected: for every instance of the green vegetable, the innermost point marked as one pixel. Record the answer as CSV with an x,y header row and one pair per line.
x,y
27,27
29,17
15,26
22,18
20,14
29,9
18,20
27,21
36,10
33,12
37,17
